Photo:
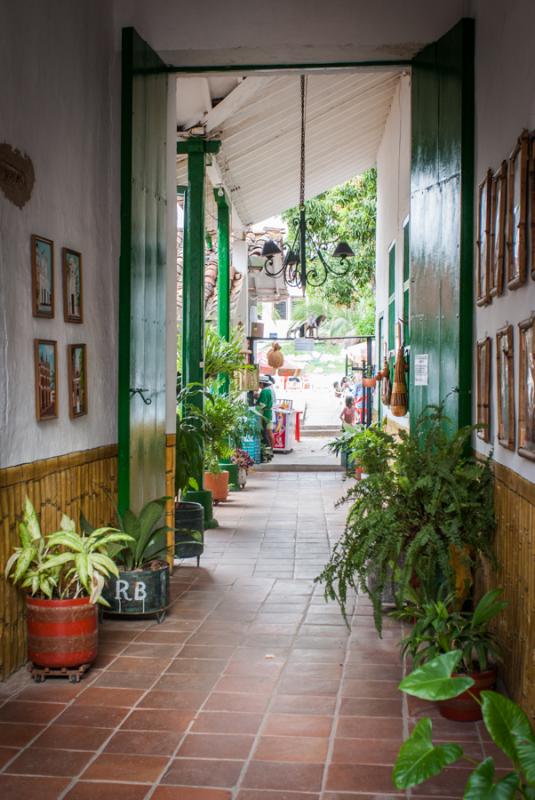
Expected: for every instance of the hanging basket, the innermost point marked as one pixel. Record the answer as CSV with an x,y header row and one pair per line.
x,y
275,356
399,400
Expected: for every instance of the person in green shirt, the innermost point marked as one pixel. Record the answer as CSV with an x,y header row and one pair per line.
x,y
265,406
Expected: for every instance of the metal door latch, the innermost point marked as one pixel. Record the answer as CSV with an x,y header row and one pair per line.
x,y
140,392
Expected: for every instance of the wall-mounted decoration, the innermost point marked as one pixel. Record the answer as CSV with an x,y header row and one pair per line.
x,y
505,386
72,285
483,240
497,236
531,207
77,370
483,388
46,379
42,277
517,197
526,404
17,175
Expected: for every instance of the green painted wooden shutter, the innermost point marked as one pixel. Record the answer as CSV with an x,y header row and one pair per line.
x,y
142,384
441,218
406,284
392,297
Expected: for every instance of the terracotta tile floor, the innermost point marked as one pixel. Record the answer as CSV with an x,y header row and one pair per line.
x,y
252,688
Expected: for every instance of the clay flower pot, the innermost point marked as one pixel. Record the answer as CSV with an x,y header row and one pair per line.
x,y
464,708
369,383
217,483
61,633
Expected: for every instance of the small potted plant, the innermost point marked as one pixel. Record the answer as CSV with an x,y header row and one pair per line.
x,y
509,728
64,574
243,461
439,628
189,515
226,421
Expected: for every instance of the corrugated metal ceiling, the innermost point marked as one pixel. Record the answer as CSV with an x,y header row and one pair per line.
x,y
259,156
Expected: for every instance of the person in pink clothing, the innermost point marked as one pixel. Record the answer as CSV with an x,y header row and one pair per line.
x,y
349,414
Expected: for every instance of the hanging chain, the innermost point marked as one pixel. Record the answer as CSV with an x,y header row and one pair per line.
x,y
303,109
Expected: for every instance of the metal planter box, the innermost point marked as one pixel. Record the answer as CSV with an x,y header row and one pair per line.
x,y
139,592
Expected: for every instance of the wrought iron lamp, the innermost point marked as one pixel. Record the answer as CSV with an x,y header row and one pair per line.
x,y
294,268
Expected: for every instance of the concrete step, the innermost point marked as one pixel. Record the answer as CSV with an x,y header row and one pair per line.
x,y
329,432
271,466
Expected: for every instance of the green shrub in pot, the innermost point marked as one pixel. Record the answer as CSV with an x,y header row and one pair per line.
x,y
425,504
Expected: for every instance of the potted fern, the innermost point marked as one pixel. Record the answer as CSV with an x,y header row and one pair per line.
x,y
64,574
422,517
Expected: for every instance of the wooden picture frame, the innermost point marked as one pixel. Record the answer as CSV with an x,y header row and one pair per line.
x,y
42,260
497,230
46,379
483,388
77,372
71,261
484,209
517,197
505,386
526,398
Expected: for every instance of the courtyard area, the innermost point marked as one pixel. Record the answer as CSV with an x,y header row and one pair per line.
x,y
251,689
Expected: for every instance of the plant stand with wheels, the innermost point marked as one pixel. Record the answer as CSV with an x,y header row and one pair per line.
x,y
74,674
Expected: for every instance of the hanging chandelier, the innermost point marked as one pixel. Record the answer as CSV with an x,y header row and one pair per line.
x,y
295,269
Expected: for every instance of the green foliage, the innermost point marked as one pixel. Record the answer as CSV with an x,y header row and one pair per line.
x,y
145,535
440,627
225,423
423,498
220,356
344,213
341,320
64,564
508,726
189,440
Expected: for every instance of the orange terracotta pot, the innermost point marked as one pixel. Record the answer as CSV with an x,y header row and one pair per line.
x,y
217,483
465,707
61,633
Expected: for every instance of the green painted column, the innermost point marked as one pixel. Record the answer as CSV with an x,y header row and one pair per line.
x,y
223,272
193,282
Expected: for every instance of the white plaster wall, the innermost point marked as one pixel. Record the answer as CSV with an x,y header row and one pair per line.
x,y
240,261
393,201
253,32
505,104
59,102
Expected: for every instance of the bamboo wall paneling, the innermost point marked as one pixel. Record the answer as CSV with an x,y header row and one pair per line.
x,y
84,481
484,216
497,233
526,398
505,386
517,198
483,388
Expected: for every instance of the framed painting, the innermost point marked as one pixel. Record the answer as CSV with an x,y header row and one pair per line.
x,y
77,372
72,285
505,386
497,232
526,404
483,388
46,379
531,207
42,277
517,197
483,240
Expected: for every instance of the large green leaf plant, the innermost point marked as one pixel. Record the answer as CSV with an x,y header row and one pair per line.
x,y
420,759
64,564
424,498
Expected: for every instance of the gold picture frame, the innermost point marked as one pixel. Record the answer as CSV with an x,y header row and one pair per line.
x,y
483,388
526,395
77,371
517,197
497,230
484,207
505,386
46,379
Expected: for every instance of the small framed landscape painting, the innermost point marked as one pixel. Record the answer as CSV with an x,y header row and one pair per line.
x,y
77,369
72,285
505,387
497,238
483,240
42,277
46,379
517,197
483,388
526,404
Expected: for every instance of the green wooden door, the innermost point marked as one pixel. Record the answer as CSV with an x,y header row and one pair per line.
x,y
142,384
441,235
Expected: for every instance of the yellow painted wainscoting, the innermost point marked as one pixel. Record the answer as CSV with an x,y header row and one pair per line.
x,y
515,552
83,481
